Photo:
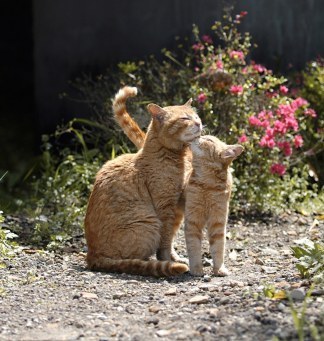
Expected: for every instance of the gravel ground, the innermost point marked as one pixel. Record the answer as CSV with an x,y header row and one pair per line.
x,y
52,296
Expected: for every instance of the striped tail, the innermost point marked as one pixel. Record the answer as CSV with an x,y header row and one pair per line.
x,y
154,268
125,121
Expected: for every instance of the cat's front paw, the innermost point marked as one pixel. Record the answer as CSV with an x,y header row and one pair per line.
x,y
222,272
196,270
176,258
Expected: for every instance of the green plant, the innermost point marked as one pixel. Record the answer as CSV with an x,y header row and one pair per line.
x,y
61,190
311,87
311,260
300,320
6,246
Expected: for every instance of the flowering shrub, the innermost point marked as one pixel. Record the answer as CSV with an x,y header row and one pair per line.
x,y
239,100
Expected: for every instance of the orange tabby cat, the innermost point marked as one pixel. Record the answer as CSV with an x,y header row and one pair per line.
x,y
137,136
207,199
132,209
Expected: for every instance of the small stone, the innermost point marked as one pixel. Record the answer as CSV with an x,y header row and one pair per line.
x,y
227,293
164,332
298,294
199,299
224,300
270,252
281,306
206,278
213,312
152,320
269,269
154,309
118,295
89,295
259,261
171,292
206,287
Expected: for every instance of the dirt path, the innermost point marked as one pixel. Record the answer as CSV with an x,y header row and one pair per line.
x,y
51,296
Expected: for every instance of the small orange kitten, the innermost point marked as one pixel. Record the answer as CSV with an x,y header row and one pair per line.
x,y
207,200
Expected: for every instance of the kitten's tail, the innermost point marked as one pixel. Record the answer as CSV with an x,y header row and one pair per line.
x,y
137,267
125,121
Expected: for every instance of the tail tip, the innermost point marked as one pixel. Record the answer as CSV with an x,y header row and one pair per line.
x,y
130,90
179,268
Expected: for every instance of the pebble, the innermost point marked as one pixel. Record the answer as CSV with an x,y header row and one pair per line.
x,y
152,320
199,299
171,292
298,294
89,295
206,278
154,309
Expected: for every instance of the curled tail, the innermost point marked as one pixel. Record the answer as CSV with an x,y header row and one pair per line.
x,y
137,267
125,121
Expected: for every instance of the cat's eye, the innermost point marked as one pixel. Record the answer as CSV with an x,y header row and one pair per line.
x,y
185,118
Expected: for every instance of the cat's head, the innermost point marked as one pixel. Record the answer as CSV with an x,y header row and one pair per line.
x,y
175,124
210,149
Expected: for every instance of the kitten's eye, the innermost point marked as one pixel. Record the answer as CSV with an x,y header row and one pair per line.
x,y
185,118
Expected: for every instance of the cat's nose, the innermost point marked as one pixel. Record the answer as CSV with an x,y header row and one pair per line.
x,y
198,124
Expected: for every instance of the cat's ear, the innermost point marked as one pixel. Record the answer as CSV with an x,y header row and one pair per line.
x,y
188,103
156,112
232,151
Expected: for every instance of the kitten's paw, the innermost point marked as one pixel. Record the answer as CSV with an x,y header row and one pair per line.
x,y
196,271
222,272
176,258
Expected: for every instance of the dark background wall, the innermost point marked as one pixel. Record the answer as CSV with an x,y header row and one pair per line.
x,y
71,36
46,43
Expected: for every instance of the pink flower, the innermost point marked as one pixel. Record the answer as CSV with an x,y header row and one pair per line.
x,y
292,123
268,139
243,139
207,39
202,97
254,121
298,102
236,89
310,112
283,89
285,147
259,68
298,141
243,14
279,127
219,65
244,70
238,55
198,47
278,168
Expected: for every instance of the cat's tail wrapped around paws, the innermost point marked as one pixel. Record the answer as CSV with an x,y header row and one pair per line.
x,y
124,120
154,268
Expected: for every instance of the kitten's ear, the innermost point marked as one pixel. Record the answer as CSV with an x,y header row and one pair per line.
x,y
232,151
156,112
188,103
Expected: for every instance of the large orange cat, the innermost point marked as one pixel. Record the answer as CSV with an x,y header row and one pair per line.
x,y
207,199
132,210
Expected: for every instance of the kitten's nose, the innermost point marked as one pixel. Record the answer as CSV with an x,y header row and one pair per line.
x,y
198,124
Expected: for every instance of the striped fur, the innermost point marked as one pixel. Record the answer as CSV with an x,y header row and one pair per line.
x,y
125,121
154,268
207,199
